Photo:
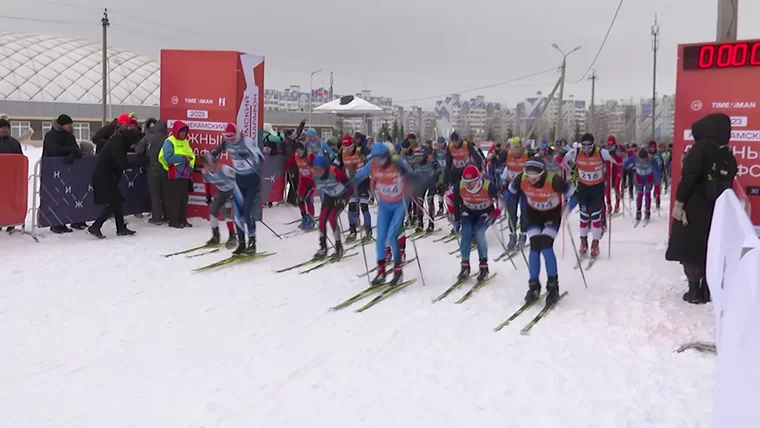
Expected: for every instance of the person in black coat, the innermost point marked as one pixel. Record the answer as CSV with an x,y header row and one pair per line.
x,y
8,144
158,181
708,169
102,135
112,161
60,142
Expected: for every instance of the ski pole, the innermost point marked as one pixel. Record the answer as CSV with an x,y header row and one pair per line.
x,y
271,230
414,245
609,217
364,252
575,250
501,241
521,248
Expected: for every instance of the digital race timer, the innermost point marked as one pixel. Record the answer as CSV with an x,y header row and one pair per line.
x,y
722,55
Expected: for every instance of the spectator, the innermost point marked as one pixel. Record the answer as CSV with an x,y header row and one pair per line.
x,y
134,136
60,142
158,181
103,134
178,160
708,169
8,144
112,161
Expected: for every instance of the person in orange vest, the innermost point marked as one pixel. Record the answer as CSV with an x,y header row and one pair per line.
x,y
474,209
542,192
460,154
590,161
516,159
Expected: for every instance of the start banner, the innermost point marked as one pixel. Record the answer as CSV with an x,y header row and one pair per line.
x,y
206,90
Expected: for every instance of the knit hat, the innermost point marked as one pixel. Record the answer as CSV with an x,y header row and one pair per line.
x,y
64,119
347,141
441,140
454,136
587,139
515,142
535,165
652,144
123,119
4,123
134,122
230,131
470,173
411,136
643,153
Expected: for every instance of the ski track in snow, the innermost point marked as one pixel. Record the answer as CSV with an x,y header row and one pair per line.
x,y
110,333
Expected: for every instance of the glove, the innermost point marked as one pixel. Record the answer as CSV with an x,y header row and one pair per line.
x,y
679,214
208,199
493,217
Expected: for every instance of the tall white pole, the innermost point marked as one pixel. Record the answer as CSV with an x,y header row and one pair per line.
x,y
311,91
728,19
558,125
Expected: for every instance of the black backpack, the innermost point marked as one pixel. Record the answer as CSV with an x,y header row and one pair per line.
x,y
721,177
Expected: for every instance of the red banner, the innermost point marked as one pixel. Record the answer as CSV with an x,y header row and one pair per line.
x,y
721,77
14,174
207,90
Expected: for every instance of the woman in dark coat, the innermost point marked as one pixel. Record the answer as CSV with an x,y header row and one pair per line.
x,y
708,169
112,161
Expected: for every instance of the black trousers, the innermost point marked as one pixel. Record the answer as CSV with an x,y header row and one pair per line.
x,y
176,200
158,188
116,210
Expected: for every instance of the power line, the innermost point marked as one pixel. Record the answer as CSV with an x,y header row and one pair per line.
x,y
140,33
162,24
609,30
50,21
480,87
58,3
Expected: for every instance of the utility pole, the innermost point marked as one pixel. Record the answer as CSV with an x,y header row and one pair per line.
x,y
558,126
331,86
655,48
104,83
728,19
593,78
311,93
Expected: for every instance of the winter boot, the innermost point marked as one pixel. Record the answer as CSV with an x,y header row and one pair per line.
x,y
367,234
125,232
214,237
464,270
398,275
705,292
534,291
241,246
584,246
338,250
638,215
231,241
595,248
431,227
351,233
647,215
522,240
552,290
92,231
694,295
322,252
251,248
483,272
512,242
380,277
657,203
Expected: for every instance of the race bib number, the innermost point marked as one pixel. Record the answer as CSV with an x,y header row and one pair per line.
x,y
590,176
388,189
459,163
546,205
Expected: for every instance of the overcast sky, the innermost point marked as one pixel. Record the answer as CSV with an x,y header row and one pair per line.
x,y
413,51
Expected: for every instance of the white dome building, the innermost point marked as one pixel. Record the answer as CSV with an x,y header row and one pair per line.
x,y
43,76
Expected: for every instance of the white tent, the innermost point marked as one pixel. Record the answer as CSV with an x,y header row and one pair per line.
x,y
350,106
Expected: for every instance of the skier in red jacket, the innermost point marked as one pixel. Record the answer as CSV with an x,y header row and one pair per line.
x,y
614,176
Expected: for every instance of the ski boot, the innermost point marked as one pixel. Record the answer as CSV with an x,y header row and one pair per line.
x,y
431,227
534,291
338,250
657,203
522,240
595,248
125,232
512,244
483,272
380,277
638,215
552,291
310,224
322,252
231,242
419,229
241,246
584,246
351,233
214,237
398,275
647,215
464,270
367,234
251,248
694,295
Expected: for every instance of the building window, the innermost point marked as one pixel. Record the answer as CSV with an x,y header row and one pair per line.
x,y
81,131
46,127
19,128
327,133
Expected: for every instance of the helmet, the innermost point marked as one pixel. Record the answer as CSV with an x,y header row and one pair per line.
x,y
320,162
470,173
379,150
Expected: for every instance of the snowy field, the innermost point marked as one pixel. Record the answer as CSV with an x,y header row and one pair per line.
x,y
111,334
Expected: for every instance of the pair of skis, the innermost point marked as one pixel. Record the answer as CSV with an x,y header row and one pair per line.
x,y
383,291
541,314
233,260
425,234
587,266
645,223
478,285
203,249
404,263
323,261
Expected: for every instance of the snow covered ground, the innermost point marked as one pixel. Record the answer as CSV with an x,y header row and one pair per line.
x,y
110,333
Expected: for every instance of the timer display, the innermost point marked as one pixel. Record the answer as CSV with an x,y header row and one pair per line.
x,y
722,55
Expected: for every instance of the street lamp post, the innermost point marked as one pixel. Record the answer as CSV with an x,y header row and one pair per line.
x,y
311,91
558,126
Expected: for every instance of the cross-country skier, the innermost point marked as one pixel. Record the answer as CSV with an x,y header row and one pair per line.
x,y
461,154
552,161
246,160
353,158
647,173
614,177
516,159
589,161
303,160
223,178
474,209
390,174
441,154
427,170
543,193
333,187
497,162
661,164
